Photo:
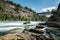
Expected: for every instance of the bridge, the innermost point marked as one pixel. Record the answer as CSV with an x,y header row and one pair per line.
x,y
45,14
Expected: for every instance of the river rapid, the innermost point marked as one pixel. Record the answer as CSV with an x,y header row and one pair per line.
x,y
7,27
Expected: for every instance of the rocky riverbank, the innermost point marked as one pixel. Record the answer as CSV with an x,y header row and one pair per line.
x,y
38,33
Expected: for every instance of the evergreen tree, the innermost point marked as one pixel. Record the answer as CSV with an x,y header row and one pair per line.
x,y
58,7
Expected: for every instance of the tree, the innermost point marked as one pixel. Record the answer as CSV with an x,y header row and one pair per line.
x,y
30,9
53,11
18,5
26,7
1,7
2,0
58,7
11,2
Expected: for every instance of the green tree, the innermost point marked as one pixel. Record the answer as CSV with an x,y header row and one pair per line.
x,y
18,5
58,7
26,7
30,9
2,7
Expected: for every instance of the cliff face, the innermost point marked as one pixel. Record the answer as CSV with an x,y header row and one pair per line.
x,y
12,11
54,21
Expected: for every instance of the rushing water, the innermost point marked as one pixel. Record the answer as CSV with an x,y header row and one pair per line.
x,y
19,26
6,26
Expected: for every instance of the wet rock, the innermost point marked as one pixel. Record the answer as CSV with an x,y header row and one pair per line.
x,y
39,26
54,21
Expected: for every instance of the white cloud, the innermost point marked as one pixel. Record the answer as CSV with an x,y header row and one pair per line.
x,y
46,9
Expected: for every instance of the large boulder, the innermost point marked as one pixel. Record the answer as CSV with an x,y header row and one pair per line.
x,y
54,21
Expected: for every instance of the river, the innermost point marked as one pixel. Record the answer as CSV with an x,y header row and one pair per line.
x,y
18,26
10,25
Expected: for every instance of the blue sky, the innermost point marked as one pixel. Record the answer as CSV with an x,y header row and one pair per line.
x,y
39,5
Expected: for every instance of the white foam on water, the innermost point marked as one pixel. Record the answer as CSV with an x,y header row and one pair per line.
x,y
10,28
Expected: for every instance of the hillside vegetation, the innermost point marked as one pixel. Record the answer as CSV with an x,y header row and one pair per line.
x,y
10,11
